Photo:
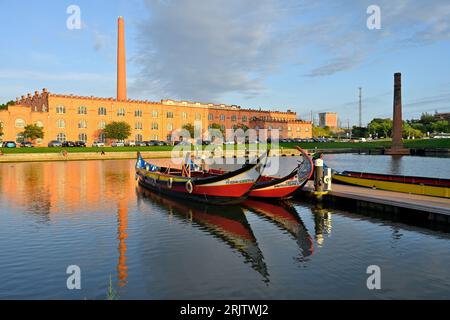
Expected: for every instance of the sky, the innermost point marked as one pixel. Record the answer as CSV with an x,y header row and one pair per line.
x,y
271,54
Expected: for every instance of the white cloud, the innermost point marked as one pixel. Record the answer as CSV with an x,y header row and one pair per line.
x,y
202,50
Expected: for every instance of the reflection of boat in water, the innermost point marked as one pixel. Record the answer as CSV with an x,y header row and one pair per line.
x,y
226,223
286,217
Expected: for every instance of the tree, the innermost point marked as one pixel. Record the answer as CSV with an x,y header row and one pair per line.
x,y
117,130
360,132
380,127
33,132
5,105
426,118
217,126
190,128
440,126
240,126
319,132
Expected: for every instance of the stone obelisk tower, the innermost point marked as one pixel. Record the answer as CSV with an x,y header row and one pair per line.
x,y
121,63
397,128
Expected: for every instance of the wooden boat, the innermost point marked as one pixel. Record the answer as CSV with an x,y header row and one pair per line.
x,y
204,186
284,215
436,187
282,187
229,226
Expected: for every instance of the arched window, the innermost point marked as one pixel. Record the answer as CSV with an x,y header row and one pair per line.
x,y
82,110
121,112
39,124
138,137
102,137
138,125
155,114
61,137
210,117
82,124
138,113
82,137
155,137
102,124
60,109
222,117
233,118
244,118
184,115
102,111
289,129
60,123
155,126
20,123
198,116
169,127
169,114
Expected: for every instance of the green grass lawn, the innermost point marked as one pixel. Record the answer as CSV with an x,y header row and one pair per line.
x,y
426,143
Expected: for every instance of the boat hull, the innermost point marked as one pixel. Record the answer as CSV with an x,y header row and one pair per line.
x,y
414,188
228,188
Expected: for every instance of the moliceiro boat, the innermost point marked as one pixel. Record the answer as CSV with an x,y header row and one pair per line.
x,y
436,187
200,185
272,187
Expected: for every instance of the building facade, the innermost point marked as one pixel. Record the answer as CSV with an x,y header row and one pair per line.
x,y
77,118
328,119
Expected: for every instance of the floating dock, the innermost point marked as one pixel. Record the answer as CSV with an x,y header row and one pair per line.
x,y
431,208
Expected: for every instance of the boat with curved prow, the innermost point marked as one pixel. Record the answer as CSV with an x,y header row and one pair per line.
x,y
282,187
204,186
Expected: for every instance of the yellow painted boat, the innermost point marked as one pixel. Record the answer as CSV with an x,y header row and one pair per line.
x,y
435,187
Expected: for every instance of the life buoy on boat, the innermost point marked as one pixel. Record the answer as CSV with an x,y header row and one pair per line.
x,y
189,186
169,183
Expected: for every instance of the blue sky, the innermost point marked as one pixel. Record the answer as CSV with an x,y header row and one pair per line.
x,y
274,54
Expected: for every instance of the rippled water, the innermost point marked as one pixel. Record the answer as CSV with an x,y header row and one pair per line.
x,y
93,215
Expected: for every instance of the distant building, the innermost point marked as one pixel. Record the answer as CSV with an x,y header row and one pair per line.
x,y
442,116
77,118
328,119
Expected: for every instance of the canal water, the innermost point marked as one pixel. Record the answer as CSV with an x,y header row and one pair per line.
x,y
93,215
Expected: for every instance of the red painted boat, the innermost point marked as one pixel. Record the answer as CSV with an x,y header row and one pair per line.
x,y
282,187
227,188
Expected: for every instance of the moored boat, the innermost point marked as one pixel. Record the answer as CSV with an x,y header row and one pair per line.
x,y
200,185
282,187
436,187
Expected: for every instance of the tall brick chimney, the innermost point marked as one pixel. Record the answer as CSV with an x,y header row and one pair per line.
x,y
121,62
397,125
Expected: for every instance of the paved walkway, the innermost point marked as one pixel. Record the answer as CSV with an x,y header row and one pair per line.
x,y
397,199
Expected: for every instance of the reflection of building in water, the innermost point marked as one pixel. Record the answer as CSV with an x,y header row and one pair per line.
x,y
65,187
122,219
72,188
322,221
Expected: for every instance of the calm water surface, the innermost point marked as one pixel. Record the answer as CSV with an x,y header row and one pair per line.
x,y
93,215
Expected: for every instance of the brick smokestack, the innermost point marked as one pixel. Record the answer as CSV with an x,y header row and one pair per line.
x,y
121,62
397,129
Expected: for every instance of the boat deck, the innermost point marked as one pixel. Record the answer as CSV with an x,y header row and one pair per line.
x,y
422,203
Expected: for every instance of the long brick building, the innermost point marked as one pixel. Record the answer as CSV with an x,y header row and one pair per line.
x,y
72,117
